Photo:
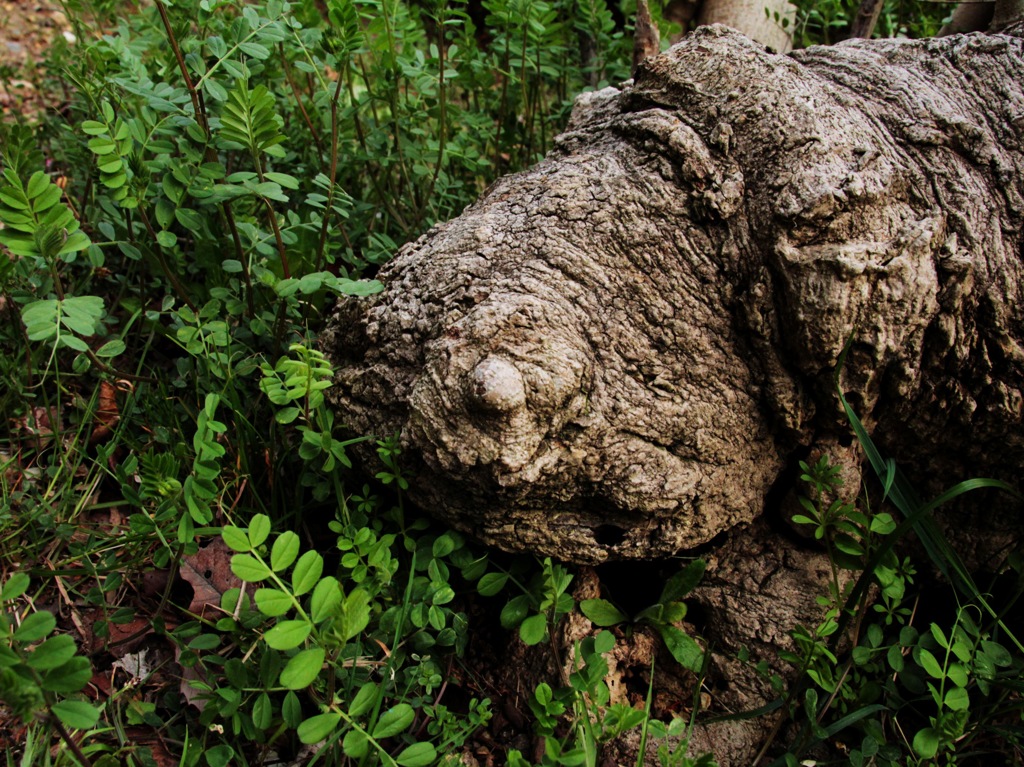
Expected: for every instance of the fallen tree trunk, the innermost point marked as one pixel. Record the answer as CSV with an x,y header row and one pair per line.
x,y
616,353
619,353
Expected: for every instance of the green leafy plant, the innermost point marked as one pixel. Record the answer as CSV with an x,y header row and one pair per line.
x,y
903,695
663,615
173,235
586,701
40,673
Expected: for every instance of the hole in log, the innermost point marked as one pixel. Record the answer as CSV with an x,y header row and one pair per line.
x,y
609,535
632,586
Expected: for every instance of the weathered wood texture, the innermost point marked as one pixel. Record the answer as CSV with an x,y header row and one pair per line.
x,y
616,353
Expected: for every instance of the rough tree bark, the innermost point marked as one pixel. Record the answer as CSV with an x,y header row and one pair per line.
x,y
616,353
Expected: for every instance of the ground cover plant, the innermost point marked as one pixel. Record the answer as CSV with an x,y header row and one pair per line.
x,y
193,572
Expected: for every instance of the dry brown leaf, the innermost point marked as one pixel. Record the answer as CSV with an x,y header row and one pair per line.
x,y
148,737
208,571
39,424
107,413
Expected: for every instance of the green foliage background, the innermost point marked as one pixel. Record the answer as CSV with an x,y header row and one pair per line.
x,y
217,174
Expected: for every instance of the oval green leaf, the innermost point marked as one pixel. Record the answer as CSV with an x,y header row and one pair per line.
x,y
235,538
16,585
417,755
318,727
284,552
325,600
601,612
259,529
35,627
307,572
394,721
363,700
533,630
76,714
491,584
273,602
287,635
683,648
71,677
248,568
303,668
355,745
54,652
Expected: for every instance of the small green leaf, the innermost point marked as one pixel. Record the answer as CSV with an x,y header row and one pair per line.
x,y
303,668
255,50
167,239
216,90
317,728
394,721
102,145
291,710
513,613
111,348
248,568
604,642
326,597
355,614
73,343
957,674
533,630
683,582
54,652
235,538
894,657
273,602
288,635
355,744
262,712
35,627
71,677
683,647
417,755
15,586
928,662
957,699
76,714
602,612
288,182
491,584
259,529
284,552
219,756
93,128
307,572
995,652
363,700
926,743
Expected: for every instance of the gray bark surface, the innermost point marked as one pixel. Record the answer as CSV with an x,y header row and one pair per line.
x,y
616,353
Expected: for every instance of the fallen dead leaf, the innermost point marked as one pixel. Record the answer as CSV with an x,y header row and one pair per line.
x,y
148,737
208,571
107,413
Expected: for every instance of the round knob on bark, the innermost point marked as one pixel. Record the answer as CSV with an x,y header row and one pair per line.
x,y
497,386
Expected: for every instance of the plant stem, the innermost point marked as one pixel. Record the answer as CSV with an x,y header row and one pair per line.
x,y
71,742
158,252
189,85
